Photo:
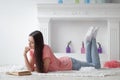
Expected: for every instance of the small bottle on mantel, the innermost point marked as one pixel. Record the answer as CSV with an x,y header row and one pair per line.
x,y
87,1
60,1
82,48
99,48
77,1
68,49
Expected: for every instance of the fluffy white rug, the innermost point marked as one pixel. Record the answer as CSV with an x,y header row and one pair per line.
x,y
83,72
8,68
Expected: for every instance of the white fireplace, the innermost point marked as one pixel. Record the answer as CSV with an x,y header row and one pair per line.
x,y
70,22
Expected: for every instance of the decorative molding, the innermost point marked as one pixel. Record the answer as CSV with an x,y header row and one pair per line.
x,y
83,11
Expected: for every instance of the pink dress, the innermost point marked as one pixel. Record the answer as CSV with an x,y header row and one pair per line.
x,y
56,64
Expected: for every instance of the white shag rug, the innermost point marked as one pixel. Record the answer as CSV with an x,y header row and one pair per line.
x,y
83,72
10,68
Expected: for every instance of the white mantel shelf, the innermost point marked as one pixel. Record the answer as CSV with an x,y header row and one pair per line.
x,y
104,5
79,10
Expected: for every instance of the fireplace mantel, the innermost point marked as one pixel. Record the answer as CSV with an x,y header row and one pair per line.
x,y
90,12
82,11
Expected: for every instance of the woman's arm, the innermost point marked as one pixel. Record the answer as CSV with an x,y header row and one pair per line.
x,y
29,63
46,64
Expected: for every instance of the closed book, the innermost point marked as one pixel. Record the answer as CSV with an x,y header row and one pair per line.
x,y
19,73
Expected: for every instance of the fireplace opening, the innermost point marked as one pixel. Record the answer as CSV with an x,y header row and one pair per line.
x,y
62,30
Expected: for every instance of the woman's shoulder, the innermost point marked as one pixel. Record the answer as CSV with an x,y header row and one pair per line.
x,y
47,52
46,46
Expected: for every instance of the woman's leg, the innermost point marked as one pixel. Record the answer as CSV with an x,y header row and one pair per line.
x,y
94,54
88,51
92,57
88,43
78,64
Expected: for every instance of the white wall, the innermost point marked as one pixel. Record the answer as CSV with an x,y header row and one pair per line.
x,y
46,1
17,19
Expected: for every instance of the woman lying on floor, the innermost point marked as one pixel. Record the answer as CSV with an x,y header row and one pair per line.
x,y
43,60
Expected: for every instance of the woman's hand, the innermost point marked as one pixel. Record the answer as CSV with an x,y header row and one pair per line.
x,y
26,50
28,62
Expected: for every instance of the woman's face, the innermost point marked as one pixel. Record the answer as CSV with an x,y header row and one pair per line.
x,y
31,42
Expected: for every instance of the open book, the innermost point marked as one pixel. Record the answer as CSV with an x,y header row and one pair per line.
x,y
19,73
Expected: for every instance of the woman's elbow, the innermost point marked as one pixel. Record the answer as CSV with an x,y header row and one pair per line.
x,y
31,69
45,71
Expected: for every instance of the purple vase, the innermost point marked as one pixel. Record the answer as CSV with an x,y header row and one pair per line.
x,y
99,48
68,50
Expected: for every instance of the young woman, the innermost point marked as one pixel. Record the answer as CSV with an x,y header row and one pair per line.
x,y
42,58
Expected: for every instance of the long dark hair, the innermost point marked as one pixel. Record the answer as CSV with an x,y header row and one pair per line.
x,y
38,50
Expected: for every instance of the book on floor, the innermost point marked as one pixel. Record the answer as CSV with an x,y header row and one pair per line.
x,y
19,73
